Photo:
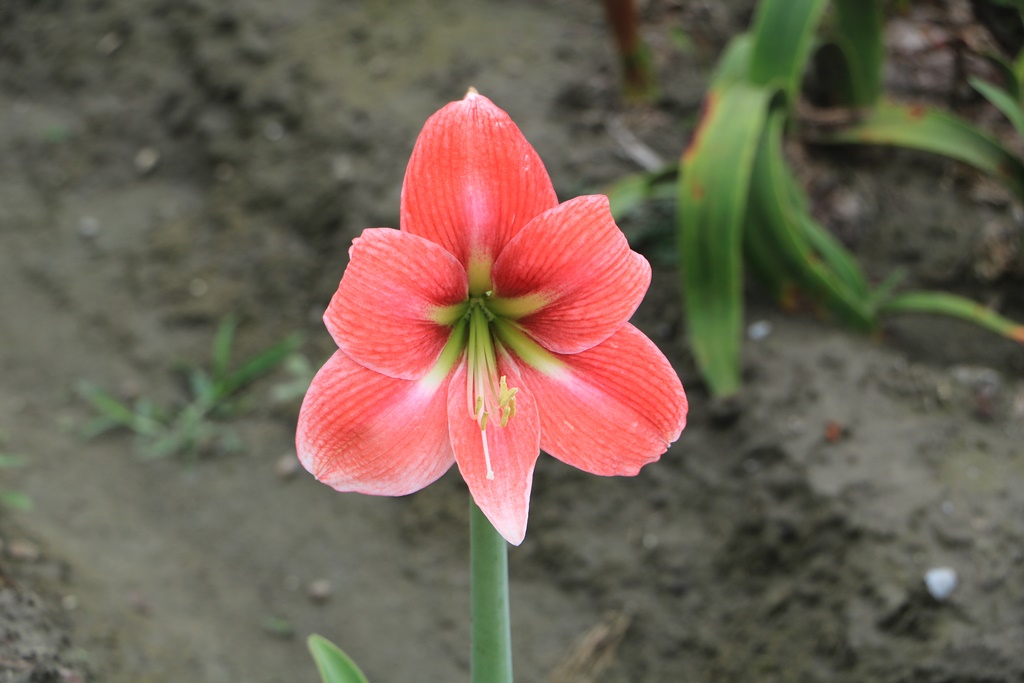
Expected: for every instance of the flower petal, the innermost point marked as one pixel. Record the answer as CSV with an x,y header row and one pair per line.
x,y
513,451
612,409
473,181
365,432
388,311
571,276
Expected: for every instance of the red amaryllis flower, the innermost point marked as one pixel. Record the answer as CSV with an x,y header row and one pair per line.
x,y
492,325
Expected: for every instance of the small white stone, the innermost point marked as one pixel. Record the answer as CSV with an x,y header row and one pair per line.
x,y
287,466
273,131
319,590
146,159
759,330
198,287
941,582
88,227
109,43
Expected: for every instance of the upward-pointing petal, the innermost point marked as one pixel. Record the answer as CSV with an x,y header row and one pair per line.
x,y
473,181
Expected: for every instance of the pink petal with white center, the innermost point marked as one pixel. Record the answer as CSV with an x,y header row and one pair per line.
x,y
612,409
572,273
473,181
385,314
512,449
368,433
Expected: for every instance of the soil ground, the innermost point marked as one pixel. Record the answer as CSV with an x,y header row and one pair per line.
x,y
165,163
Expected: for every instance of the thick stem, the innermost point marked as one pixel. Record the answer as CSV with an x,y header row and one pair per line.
x,y
491,660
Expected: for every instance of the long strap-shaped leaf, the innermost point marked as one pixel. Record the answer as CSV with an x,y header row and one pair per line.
x,y
919,127
1003,101
712,203
778,236
941,303
857,33
783,37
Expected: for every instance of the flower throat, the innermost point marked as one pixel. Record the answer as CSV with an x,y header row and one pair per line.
x,y
488,395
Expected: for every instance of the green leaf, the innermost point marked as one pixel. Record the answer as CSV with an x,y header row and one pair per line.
x,y
1009,72
16,500
779,234
857,35
734,63
941,303
627,194
1019,4
783,37
712,204
222,343
106,404
114,413
918,127
258,366
334,665
1003,101
199,383
8,460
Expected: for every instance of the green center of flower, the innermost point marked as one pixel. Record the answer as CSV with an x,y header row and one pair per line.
x,y
487,394
482,327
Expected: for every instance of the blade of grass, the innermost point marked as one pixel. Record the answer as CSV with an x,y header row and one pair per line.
x,y
258,366
117,414
222,343
7,460
16,500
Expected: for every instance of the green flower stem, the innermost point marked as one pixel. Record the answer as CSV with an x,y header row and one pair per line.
x,y
491,660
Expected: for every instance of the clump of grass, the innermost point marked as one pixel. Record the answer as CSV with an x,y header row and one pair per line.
x,y
195,426
15,500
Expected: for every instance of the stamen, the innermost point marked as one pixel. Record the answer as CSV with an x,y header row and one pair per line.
x,y
486,392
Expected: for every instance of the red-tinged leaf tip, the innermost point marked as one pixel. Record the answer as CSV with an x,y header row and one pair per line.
x,y
1017,334
707,110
